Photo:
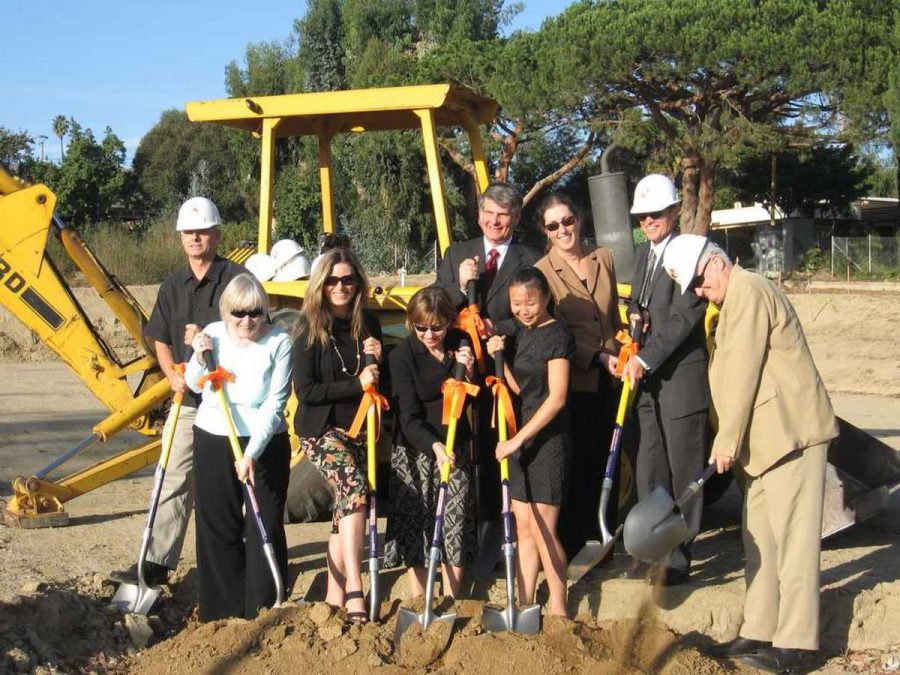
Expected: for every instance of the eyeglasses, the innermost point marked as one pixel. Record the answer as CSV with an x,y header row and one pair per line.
x,y
656,215
433,329
701,277
347,280
252,313
568,221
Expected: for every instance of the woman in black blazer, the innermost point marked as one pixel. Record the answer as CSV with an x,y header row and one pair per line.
x,y
336,333
419,367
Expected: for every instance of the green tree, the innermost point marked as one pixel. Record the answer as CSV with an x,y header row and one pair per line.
x,y
60,129
15,149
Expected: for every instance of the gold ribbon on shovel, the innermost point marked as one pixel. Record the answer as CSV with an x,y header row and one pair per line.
x,y
469,319
370,397
453,405
629,348
501,393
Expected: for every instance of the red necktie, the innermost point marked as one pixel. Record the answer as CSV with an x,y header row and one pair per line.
x,y
490,268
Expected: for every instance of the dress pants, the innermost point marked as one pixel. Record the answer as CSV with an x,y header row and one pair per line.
x,y
671,453
782,539
234,576
176,499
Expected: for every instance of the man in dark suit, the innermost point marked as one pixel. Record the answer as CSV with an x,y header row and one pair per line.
x,y
673,401
492,260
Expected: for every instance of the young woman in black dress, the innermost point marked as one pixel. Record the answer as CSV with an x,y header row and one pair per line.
x,y
540,452
336,333
419,367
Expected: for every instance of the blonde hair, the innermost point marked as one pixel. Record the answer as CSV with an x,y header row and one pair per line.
x,y
430,304
316,308
243,292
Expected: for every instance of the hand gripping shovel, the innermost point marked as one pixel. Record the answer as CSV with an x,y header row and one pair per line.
x,y
139,599
217,377
370,406
595,551
527,620
655,525
455,390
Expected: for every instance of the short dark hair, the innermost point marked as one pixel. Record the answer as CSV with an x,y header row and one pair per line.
x,y
431,304
531,277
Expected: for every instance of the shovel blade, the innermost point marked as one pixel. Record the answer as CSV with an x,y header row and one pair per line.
x,y
407,618
132,599
526,620
589,556
654,527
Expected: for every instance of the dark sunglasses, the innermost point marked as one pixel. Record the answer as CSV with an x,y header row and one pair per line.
x,y
700,278
347,280
653,216
252,313
568,221
425,329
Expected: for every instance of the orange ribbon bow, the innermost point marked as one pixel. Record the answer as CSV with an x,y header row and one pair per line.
x,y
370,397
217,378
501,393
455,392
469,319
629,348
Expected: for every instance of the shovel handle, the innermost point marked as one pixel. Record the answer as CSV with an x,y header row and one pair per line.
x,y
637,330
472,292
695,485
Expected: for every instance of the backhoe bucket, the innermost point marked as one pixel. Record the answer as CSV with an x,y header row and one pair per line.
x,y
654,527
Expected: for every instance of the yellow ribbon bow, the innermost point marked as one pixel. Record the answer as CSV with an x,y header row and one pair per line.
x,y
629,348
370,397
455,392
469,319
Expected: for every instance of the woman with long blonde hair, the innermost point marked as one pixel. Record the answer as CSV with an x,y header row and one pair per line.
x,y
336,333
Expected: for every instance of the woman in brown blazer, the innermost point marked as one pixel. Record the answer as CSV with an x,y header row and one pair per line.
x,y
583,283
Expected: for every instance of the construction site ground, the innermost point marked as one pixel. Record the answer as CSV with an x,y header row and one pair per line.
x,y
54,613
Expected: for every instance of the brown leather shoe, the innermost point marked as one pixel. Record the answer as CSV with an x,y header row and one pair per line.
x,y
737,647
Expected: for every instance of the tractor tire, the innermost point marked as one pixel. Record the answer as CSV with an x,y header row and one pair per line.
x,y
309,496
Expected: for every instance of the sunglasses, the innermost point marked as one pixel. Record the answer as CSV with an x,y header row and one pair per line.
x,y
698,280
347,280
656,215
433,329
252,313
568,221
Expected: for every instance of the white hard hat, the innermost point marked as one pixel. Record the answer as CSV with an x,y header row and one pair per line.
x,y
261,266
654,193
285,249
197,213
681,257
295,268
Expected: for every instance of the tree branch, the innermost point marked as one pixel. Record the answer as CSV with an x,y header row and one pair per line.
x,y
563,170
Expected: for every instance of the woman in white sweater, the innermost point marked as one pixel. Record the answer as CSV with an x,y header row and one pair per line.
x,y
234,577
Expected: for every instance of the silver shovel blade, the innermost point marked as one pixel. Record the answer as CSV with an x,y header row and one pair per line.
x,y
407,618
132,599
526,620
588,557
654,527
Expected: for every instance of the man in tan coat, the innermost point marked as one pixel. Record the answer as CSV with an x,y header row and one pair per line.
x,y
775,418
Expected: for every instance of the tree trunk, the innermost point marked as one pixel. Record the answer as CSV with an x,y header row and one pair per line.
x,y
690,183
703,218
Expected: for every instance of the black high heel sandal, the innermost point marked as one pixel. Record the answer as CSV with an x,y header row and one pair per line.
x,y
356,618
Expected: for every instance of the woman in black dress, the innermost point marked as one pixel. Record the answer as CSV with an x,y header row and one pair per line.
x,y
419,366
540,453
336,332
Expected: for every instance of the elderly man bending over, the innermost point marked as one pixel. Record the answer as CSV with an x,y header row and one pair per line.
x,y
775,418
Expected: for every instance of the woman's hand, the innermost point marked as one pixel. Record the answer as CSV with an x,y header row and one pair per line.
x,y
369,376
245,470
609,363
200,344
373,347
440,454
465,356
495,344
507,448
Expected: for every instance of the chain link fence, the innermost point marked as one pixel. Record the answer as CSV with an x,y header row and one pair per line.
x,y
865,257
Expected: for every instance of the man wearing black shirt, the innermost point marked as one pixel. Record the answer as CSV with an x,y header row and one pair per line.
x,y
188,300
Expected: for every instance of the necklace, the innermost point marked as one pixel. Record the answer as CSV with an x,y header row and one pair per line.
x,y
341,358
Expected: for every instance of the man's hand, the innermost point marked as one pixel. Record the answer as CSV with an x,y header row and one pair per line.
x,y
608,362
633,371
190,331
723,462
468,270
176,381
643,317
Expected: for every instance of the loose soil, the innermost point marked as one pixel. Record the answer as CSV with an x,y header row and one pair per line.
x,y
54,613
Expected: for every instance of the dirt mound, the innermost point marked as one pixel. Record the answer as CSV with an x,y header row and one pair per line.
x,y
315,638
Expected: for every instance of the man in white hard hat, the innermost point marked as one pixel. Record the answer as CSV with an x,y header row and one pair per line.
x,y
187,301
673,396
775,418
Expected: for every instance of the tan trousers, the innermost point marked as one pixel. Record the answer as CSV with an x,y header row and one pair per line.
x,y
782,528
176,500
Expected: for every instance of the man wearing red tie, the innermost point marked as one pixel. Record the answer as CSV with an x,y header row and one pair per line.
x,y
491,260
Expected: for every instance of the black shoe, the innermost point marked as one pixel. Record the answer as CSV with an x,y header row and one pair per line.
x,y
154,574
673,577
778,659
636,570
737,647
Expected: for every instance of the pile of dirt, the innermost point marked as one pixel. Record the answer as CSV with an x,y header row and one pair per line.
x,y
315,638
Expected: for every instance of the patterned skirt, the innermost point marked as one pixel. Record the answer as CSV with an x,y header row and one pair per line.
x,y
342,461
415,479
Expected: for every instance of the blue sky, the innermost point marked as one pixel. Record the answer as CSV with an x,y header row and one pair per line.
x,y
121,63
